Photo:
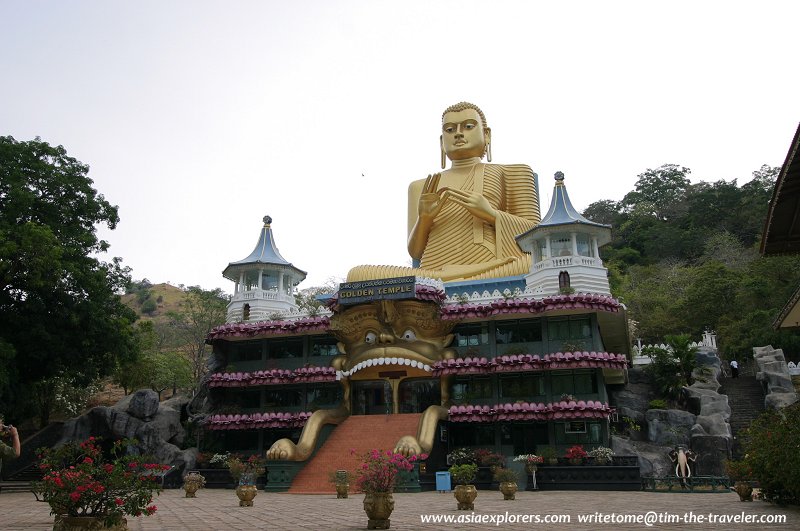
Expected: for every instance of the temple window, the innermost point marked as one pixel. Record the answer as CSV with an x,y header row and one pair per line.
x,y
246,351
563,280
468,388
471,335
323,346
584,245
521,386
571,328
518,331
284,397
285,348
323,396
561,245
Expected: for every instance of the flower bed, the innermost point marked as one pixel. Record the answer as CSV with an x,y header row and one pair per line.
x,y
531,362
272,377
512,306
530,411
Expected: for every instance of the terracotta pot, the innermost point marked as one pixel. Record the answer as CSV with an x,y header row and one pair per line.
x,y
465,496
246,493
509,490
379,507
80,523
342,489
744,490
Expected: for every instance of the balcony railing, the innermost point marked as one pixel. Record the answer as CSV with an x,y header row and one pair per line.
x,y
566,261
262,294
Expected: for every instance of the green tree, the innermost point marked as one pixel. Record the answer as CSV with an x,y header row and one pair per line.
x,y
60,314
200,312
659,192
306,299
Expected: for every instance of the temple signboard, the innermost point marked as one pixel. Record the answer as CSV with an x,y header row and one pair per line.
x,y
374,290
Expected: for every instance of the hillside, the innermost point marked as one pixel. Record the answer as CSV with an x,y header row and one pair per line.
x,y
166,297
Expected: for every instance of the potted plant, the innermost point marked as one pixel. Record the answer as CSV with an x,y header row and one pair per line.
x,y
465,492
341,482
192,482
376,478
575,454
741,473
507,479
83,487
490,459
245,472
461,456
531,461
549,455
601,455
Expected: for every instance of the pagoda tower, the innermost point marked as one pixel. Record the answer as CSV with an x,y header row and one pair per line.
x,y
265,282
564,247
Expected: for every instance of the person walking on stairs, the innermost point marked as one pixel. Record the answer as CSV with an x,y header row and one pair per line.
x,y
734,369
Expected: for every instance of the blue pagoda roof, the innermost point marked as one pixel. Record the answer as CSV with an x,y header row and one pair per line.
x,y
265,251
561,210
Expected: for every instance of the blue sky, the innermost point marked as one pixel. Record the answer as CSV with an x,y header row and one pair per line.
x,y
198,118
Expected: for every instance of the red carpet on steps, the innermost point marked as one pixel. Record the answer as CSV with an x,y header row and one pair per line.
x,y
359,432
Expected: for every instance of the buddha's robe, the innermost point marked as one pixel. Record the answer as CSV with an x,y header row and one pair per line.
x,y
461,246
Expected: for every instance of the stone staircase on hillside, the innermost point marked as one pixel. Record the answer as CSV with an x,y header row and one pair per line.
x,y
361,433
746,399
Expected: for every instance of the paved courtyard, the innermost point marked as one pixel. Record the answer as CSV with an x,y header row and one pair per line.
x,y
217,509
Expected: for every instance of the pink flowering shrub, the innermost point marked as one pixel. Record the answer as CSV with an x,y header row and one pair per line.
x,y
378,470
78,481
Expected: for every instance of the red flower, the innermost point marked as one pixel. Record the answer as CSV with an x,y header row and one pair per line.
x,y
75,496
119,501
88,460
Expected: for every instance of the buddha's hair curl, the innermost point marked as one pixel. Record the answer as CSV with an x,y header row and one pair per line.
x,y
461,106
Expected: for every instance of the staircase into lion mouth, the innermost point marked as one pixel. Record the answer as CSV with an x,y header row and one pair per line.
x,y
361,433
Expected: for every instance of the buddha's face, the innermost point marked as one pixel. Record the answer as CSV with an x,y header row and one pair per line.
x,y
463,134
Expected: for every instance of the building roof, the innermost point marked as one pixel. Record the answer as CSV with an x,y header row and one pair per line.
x,y
782,228
562,213
265,252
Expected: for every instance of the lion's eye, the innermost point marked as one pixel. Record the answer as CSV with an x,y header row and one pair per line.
x,y
370,338
409,335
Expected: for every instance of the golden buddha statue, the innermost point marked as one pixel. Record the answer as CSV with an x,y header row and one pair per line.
x,y
463,221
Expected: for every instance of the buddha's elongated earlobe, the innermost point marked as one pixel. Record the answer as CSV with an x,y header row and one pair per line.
x,y
444,155
489,152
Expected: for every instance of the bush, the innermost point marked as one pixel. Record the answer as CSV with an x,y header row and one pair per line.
x,y
149,306
770,445
505,475
463,474
657,404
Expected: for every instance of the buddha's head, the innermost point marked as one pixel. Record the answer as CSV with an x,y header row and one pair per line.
x,y
464,132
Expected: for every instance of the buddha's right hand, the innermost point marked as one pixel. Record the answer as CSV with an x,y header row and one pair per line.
x,y
430,200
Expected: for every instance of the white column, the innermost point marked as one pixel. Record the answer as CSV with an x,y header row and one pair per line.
x,y
260,281
280,282
574,237
595,249
235,288
241,280
547,246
